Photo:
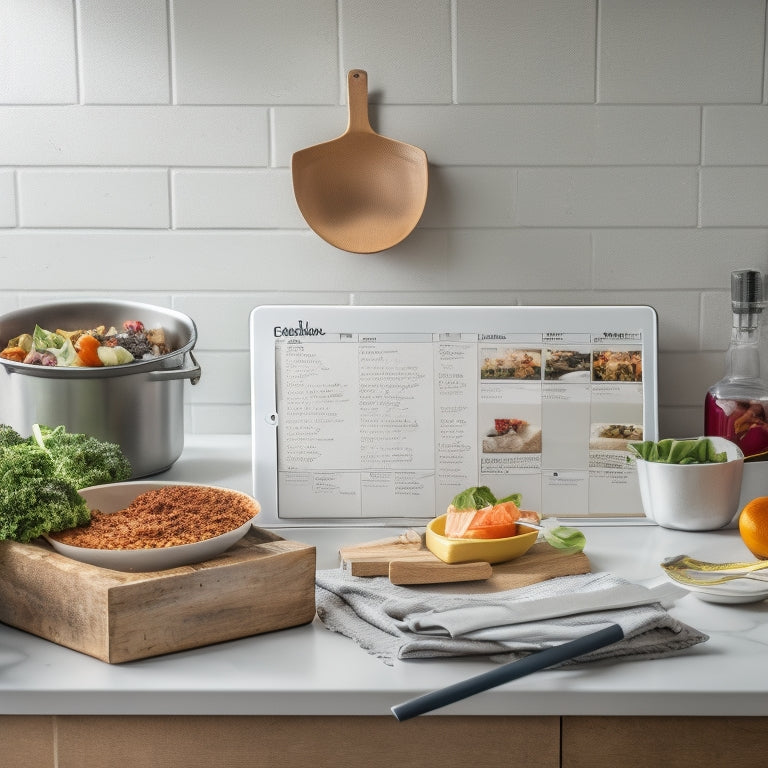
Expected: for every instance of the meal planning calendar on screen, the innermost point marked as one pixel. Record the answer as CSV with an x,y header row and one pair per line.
x,y
381,415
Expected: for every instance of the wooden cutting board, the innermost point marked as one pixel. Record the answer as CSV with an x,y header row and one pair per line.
x,y
406,560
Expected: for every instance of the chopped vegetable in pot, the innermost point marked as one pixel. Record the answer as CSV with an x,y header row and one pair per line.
x,y
89,348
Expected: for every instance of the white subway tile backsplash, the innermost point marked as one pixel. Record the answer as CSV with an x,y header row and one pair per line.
x,y
404,46
765,68
551,135
677,311
140,135
470,197
459,298
259,199
513,134
90,197
221,419
682,421
526,51
607,197
294,128
210,260
7,199
735,135
681,51
716,318
675,259
685,377
581,152
34,298
8,302
255,52
734,197
123,52
516,259
225,378
38,62
222,319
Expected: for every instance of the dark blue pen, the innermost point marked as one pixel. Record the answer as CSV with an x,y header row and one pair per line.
x,y
512,671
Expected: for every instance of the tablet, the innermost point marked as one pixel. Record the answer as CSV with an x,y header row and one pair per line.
x,y
381,415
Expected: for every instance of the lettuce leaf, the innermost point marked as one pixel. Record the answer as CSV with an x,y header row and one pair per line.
x,y
669,451
476,497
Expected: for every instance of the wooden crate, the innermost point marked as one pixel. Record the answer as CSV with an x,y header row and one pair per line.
x,y
263,583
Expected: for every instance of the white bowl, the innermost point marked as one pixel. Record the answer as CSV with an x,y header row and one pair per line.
x,y
693,497
115,496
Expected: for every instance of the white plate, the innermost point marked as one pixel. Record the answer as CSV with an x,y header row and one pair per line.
x,y
575,376
731,592
115,496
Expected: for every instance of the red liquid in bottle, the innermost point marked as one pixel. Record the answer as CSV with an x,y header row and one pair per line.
x,y
741,421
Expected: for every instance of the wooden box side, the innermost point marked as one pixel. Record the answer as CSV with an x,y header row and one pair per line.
x,y
251,589
263,583
54,597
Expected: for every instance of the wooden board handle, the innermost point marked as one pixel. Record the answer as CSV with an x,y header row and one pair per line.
x,y
403,572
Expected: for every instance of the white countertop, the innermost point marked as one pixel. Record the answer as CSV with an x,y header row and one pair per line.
x,y
311,671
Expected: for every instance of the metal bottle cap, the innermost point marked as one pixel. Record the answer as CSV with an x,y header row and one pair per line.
x,y
747,291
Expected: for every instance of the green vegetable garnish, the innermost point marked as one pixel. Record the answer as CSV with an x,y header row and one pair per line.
x,y
40,477
476,497
570,540
669,451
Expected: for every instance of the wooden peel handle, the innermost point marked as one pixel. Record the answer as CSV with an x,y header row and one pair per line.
x,y
357,97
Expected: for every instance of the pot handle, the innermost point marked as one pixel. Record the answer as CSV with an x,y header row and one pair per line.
x,y
192,373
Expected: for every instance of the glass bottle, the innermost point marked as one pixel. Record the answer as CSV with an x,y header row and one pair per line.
x,y
736,408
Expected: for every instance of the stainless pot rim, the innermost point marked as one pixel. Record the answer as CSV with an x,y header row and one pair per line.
x,y
19,320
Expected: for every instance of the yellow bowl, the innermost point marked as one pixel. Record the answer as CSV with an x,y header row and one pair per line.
x,y
468,550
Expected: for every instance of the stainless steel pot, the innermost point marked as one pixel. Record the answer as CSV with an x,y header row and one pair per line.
x,y
139,406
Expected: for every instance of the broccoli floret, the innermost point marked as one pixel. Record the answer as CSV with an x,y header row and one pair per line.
x,y
40,477
9,436
33,500
81,459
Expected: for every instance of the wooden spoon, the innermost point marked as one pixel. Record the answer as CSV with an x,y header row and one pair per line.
x,y
361,192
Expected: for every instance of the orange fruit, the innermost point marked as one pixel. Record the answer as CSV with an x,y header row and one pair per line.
x,y
753,526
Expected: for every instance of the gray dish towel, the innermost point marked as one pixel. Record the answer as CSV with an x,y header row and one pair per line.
x,y
394,622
